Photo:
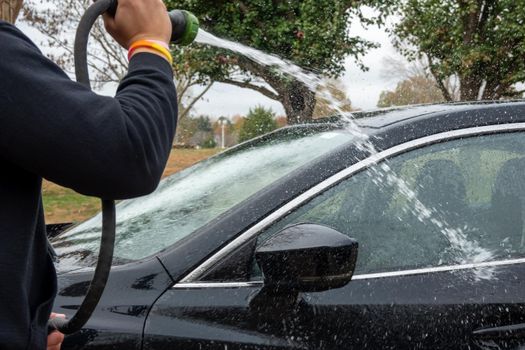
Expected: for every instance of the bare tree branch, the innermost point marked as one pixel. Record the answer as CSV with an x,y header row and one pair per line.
x,y
260,89
106,59
188,108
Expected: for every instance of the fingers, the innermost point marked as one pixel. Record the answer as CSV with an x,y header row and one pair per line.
x,y
139,19
54,341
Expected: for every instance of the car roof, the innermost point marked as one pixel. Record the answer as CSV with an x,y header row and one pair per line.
x,y
386,117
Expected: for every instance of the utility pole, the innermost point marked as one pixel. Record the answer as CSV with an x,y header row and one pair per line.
x,y
222,143
9,10
223,121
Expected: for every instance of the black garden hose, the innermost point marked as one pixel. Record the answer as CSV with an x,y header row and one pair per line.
x,y
185,28
107,242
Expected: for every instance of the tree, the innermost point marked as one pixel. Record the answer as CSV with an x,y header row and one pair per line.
x,y
281,121
310,33
204,123
195,132
107,61
186,129
480,42
395,69
414,90
238,122
204,135
331,99
258,122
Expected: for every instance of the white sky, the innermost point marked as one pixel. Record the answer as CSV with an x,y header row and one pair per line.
x,y
363,88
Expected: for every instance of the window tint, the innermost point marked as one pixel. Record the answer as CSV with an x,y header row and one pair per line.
x,y
469,195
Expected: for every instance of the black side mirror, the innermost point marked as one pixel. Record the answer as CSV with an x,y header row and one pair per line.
x,y
307,257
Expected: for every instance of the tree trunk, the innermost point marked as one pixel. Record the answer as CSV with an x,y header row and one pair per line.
x,y
491,91
9,10
469,87
496,89
298,102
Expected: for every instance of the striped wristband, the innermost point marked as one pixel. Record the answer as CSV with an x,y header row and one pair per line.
x,y
156,45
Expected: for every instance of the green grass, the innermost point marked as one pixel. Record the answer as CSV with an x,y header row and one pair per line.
x,y
65,205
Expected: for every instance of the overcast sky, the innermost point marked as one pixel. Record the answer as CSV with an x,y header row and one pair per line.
x,y
363,88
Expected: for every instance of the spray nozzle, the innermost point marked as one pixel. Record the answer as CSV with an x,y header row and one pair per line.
x,y
185,25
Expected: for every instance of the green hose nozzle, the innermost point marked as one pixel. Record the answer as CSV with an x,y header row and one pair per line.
x,y
185,27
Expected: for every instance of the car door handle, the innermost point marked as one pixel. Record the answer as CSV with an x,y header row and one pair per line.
x,y
503,332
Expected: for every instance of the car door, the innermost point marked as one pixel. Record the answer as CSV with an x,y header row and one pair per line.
x,y
439,223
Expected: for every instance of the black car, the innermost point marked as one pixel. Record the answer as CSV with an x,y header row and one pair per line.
x,y
255,248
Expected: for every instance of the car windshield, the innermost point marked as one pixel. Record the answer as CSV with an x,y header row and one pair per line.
x,y
190,199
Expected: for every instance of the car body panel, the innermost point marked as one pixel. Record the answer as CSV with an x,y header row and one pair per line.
x,y
122,316
119,318
437,310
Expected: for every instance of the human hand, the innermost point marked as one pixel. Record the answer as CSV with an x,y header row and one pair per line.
x,y
138,20
55,339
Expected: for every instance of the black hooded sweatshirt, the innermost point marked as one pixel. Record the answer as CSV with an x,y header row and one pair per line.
x,y
57,129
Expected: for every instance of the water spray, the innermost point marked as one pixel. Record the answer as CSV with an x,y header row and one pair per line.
x,y
185,27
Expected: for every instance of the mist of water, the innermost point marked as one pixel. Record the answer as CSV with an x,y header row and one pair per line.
x,y
314,82
467,251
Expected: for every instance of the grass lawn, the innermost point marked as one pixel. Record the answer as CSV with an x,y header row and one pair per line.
x,y
64,205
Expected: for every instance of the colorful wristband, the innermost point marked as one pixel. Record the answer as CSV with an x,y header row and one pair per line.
x,y
156,45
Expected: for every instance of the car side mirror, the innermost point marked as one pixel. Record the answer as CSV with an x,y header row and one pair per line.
x,y
306,258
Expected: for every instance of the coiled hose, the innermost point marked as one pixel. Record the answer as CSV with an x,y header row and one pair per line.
x,y
185,27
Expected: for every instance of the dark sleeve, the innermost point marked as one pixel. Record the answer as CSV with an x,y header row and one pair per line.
x,y
112,148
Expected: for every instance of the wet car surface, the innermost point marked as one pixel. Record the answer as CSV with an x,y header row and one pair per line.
x,y
217,256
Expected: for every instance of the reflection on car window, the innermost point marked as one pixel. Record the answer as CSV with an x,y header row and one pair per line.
x,y
474,185
190,199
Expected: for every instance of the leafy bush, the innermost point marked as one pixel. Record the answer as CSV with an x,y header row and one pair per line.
x,y
258,122
209,143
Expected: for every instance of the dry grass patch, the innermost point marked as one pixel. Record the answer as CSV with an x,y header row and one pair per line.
x,y
65,205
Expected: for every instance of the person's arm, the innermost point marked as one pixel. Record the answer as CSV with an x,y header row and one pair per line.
x,y
107,147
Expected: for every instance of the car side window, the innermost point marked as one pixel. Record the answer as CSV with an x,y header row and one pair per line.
x,y
469,189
